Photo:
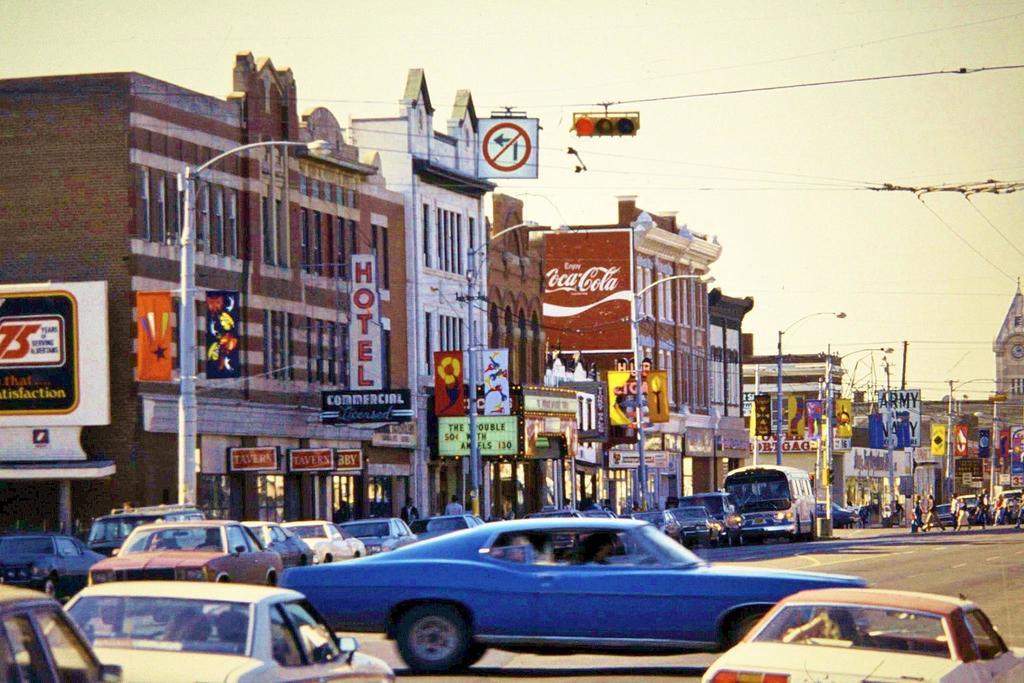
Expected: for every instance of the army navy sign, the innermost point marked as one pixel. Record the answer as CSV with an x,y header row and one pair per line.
x,y
365,407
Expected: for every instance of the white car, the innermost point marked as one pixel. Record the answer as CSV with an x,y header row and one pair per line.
x,y
330,543
851,635
167,631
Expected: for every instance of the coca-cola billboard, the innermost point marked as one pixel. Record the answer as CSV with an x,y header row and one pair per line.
x,y
588,285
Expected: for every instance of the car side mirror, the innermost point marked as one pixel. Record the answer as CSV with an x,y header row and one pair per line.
x,y
239,549
348,646
114,552
110,673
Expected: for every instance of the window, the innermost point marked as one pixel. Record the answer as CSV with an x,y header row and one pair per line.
x,y
341,254
343,364
426,235
353,234
161,210
321,346
277,345
67,548
217,229
458,244
284,646
173,204
990,645
304,238
316,189
439,234
317,642
203,222
472,235
270,497
215,495
332,353
282,241
29,658
144,224
236,539
318,244
73,660
268,235
385,360
231,237
427,345
302,185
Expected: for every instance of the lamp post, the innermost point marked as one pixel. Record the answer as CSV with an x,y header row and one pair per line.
x,y
471,298
779,421
187,319
641,397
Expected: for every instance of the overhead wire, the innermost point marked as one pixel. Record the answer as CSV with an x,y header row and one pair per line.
x,y
963,239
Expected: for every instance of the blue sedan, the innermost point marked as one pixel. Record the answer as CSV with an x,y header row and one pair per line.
x,y
557,584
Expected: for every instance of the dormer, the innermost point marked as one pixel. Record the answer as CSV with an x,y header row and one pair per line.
x,y
462,127
418,111
269,96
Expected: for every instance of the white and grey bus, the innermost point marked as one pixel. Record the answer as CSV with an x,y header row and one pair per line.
x,y
774,502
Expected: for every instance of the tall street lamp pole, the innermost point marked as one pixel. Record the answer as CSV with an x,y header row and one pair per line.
x,y
780,412
475,465
187,320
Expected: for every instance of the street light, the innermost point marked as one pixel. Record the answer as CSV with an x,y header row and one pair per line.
x,y
779,414
187,320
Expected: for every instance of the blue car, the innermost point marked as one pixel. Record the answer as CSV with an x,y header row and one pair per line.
x,y
547,585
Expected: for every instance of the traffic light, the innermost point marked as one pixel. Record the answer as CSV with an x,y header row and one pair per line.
x,y
599,124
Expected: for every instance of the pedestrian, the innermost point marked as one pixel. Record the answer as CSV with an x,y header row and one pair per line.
x,y
915,526
1000,512
863,513
409,512
454,507
899,513
343,513
982,510
931,516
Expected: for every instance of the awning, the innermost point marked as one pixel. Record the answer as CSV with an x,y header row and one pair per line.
x,y
82,469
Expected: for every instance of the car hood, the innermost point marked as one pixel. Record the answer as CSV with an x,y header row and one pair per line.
x,y
157,666
158,560
834,664
785,580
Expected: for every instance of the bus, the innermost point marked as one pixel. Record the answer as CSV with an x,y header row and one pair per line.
x,y
773,502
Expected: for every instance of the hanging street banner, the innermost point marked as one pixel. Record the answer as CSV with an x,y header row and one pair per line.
x,y
365,349
588,290
223,346
494,369
960,441
1017,441
340,407
494,435
814,410
984,443
449,384
844,417
508,147
796,417
901,416
762,415
938,440
153,336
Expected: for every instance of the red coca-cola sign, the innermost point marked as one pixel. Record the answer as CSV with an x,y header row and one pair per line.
x,y
588,285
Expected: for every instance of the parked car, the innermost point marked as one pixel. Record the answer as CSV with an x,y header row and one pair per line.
x,y
329,543
537,584
443,524
664,521
944,513
159,632
293,550
47,647
108,532
599,512
878,635
211,550
554,513
55,564
380,535
842,518
722,509
696,527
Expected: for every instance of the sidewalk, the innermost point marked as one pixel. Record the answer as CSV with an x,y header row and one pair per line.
x,y
884,532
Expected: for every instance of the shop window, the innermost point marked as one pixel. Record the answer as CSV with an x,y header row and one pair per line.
x,y
215,495
345,494
270,497
379,494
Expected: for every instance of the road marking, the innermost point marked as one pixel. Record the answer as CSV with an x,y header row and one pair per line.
x,y
994,557
957,566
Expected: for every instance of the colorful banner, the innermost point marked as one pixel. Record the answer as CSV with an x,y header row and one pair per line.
x,y
223,347
622,397
1017,441
795,417
960,440
938,440
496,388
153,321
449,384
814,410
365,346
876,431
1004,443
763,415
844,418
588,290
984,443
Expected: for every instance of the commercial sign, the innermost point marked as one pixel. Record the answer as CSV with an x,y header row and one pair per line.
x,y
901,416
348,460
255,459
622,397
310,459
969,475
588,285
494,435
54,355
364,330
870,462
621,458
494,368
768,445
748,403
364,407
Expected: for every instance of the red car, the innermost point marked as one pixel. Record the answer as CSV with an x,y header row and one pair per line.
x,y
208,550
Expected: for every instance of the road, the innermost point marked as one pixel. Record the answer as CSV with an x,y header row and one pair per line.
x,y
985,566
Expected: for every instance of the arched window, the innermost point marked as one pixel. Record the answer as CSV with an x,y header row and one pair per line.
x,y
538,358
495,328
523,358
509,340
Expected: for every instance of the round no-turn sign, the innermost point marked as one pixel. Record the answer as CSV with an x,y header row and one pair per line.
x,y
508,148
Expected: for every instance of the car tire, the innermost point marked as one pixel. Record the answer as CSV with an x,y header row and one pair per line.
x,y
328,558
271,578
358,554
433,638
50,586
740,626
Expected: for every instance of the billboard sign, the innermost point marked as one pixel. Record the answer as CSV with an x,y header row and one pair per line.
x,y
54,355
364,330
588,289
901,416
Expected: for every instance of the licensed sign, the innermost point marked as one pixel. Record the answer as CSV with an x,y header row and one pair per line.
x,y
340,406
254,459
494,435
364,330
310,459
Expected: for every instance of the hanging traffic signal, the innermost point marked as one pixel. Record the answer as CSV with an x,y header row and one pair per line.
x,y
596,124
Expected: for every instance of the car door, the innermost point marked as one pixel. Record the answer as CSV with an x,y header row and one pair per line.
x,y
75,565
318,647
242,564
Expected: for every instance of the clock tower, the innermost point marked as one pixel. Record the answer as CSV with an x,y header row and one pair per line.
x,y
1009,350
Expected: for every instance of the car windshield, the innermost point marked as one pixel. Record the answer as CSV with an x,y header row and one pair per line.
x,y
689,513
652,517
168,624
863,628
714,504
29,545
174,538
111,530
368,529
309,531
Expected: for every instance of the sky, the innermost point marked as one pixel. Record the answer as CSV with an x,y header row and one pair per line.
x,y
779,176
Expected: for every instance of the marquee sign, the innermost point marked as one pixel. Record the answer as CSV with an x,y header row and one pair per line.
x,y
494,435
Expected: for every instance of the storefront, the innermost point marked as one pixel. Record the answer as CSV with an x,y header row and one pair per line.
x,y
732,446
700,454
866,476
550,445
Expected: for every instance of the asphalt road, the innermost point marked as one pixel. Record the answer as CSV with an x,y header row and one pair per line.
x,y
984,566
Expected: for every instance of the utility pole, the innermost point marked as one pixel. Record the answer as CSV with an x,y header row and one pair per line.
x,y
950,463
779,416
474,448
903,376
889,438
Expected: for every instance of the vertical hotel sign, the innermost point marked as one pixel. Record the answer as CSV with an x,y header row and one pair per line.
x,y
365,348
588,290
54,362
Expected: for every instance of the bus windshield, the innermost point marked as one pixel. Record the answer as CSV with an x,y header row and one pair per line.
x,y
759,490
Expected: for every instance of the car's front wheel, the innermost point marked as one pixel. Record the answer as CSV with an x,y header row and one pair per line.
x,y
740,626
433,638
50,586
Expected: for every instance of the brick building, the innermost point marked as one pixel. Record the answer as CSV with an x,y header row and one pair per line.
x,y
89,191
